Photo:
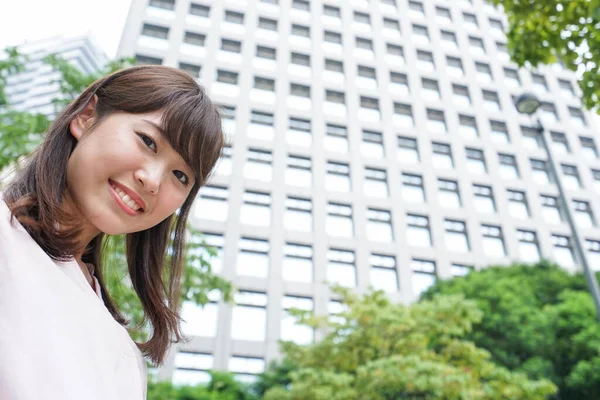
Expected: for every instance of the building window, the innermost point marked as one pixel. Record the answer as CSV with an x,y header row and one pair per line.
x,y
302,5
365,44
502,50
146,60
539,82
571,179
224,165
297,263
232,46
259,165
540,173
460,95
483,199
192,368
491,101
375,184
588,147
448,194
563,251
190,69
253,258
199,10
584,218
508,166
403,116
566,87
496,25
530,138
300,59
511,78
339,220
455,67
299,132
467,127
475,161
227,77
423,275
264,84
267,24
399,83
517,204
249,316
420,34
372,144
470,21
301,31
461,270
266,53
194,39
483,72
559,144
416,9
551,209
431,90
493,241
367,73
477,46
442,155
212,203
397,52
456,236
332,37
299,90
436,122
200,320
369,103
298,171
336,138
577,117
593,248
450,39
443,14
298,214
333,96
548,113
391,24
384,275
379,225
338,177
334,66
256,208
331,11
164,4
412,188
408,152
290,329
418,233
155,31
499,132
425,61
529,250
261,125
341,268
246,369
362,18
234,17
596,178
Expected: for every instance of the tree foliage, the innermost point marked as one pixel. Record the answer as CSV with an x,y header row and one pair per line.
x,y
538,320
546,31
222,386
377,350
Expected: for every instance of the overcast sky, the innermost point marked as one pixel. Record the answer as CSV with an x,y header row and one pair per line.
x,y
28,20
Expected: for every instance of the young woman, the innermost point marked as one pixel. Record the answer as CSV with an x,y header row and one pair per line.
x,y
126,157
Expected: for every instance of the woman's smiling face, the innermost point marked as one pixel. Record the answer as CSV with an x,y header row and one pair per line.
x,y
123,175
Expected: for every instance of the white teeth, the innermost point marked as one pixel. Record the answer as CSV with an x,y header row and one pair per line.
x,y
126,199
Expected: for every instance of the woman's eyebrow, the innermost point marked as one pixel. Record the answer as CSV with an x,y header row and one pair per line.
x,y
157,127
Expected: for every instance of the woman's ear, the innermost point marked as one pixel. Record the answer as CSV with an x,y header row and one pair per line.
x,y
84,119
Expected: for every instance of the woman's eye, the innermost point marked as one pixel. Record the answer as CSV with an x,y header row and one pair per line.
x,y
182,177
148,141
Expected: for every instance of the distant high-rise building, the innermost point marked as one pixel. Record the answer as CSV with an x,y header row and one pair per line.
x,y
373,143
34,89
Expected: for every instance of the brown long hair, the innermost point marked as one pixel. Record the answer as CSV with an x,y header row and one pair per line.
x,y
193,126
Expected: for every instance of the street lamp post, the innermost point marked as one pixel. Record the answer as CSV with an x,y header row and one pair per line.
x,y
528,103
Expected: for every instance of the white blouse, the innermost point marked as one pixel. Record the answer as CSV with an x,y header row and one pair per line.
x,y
57,339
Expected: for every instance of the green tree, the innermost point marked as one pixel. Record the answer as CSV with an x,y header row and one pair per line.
x,y
538,320
21,132
222,386
546,31
377,350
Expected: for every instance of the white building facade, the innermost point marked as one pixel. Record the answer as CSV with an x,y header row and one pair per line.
x,y
372,143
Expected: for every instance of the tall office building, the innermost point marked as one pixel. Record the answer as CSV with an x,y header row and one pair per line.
x,y
34,89
372,143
